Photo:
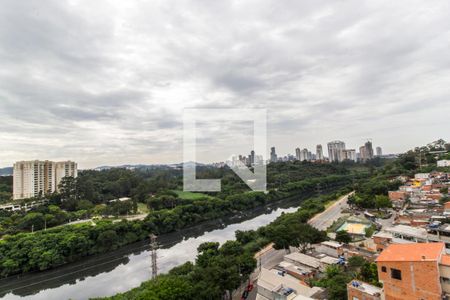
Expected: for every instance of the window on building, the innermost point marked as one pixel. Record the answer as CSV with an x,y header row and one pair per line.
x,y
396,274
383,269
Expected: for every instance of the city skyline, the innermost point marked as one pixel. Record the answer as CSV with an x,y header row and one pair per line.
x,y
106,83
298,154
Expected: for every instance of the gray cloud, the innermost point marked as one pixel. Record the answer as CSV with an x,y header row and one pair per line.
x,y
106,82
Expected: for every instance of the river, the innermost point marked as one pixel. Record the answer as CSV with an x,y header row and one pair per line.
x,y
128,267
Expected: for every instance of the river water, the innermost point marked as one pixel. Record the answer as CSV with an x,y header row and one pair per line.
x,y
124,269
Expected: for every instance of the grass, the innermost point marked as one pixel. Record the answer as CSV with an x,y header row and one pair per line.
x,y
190,195
142,208
329,203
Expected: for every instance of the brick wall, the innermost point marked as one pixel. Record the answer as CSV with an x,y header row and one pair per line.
x,y
420,280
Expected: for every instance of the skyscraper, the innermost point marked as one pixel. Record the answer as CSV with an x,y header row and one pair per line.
x,y
319,152
369,150
273,155
304,154
35,178
350,154
379,151
335,151
297,153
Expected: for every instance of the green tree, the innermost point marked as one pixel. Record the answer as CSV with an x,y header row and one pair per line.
x,y
382,201
343,236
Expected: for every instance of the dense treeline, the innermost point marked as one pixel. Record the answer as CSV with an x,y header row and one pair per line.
x,y
419,159
373,193
195,211
5,188
42,250
101,186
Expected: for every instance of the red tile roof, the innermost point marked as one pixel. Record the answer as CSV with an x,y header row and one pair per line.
x,y
412,252
445,260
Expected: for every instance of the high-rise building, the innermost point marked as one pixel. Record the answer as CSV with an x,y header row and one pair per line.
x,y
36,178
335,151
273,155
304,154
369,150
379,151
362,153
319,152
366,151
297,153
350,154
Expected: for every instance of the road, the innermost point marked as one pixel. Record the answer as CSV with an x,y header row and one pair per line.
x,y
324,220
269,257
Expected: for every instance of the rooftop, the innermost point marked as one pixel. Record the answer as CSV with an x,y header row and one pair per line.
x,y
412,252
383,234
445,260
365,287
303,259
408,230
331,244
270,280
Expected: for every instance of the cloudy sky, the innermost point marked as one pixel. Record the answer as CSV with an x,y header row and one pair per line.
x,y
106,82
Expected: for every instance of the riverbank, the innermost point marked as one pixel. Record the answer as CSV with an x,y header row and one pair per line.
x,y
87,278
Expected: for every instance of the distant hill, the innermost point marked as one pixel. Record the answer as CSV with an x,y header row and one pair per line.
x,y
6,171
149,167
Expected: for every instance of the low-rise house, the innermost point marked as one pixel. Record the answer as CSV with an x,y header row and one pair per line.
x,y
422,176
382,240
301,259
411,271
398,195
358,290
275,285
331,248
300,272
406,234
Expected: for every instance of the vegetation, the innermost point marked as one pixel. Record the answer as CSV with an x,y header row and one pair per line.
x,y
337,277
343,236
373,193
5,188
67,244
218,271
42,250
190,195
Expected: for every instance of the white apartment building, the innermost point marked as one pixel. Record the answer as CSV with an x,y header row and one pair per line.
x,y
336,151
34,178
350,154
319,152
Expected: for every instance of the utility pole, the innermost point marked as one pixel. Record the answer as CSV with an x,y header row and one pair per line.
x,y
153,249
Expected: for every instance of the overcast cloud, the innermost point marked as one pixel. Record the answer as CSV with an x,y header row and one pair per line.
x,y
105,82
